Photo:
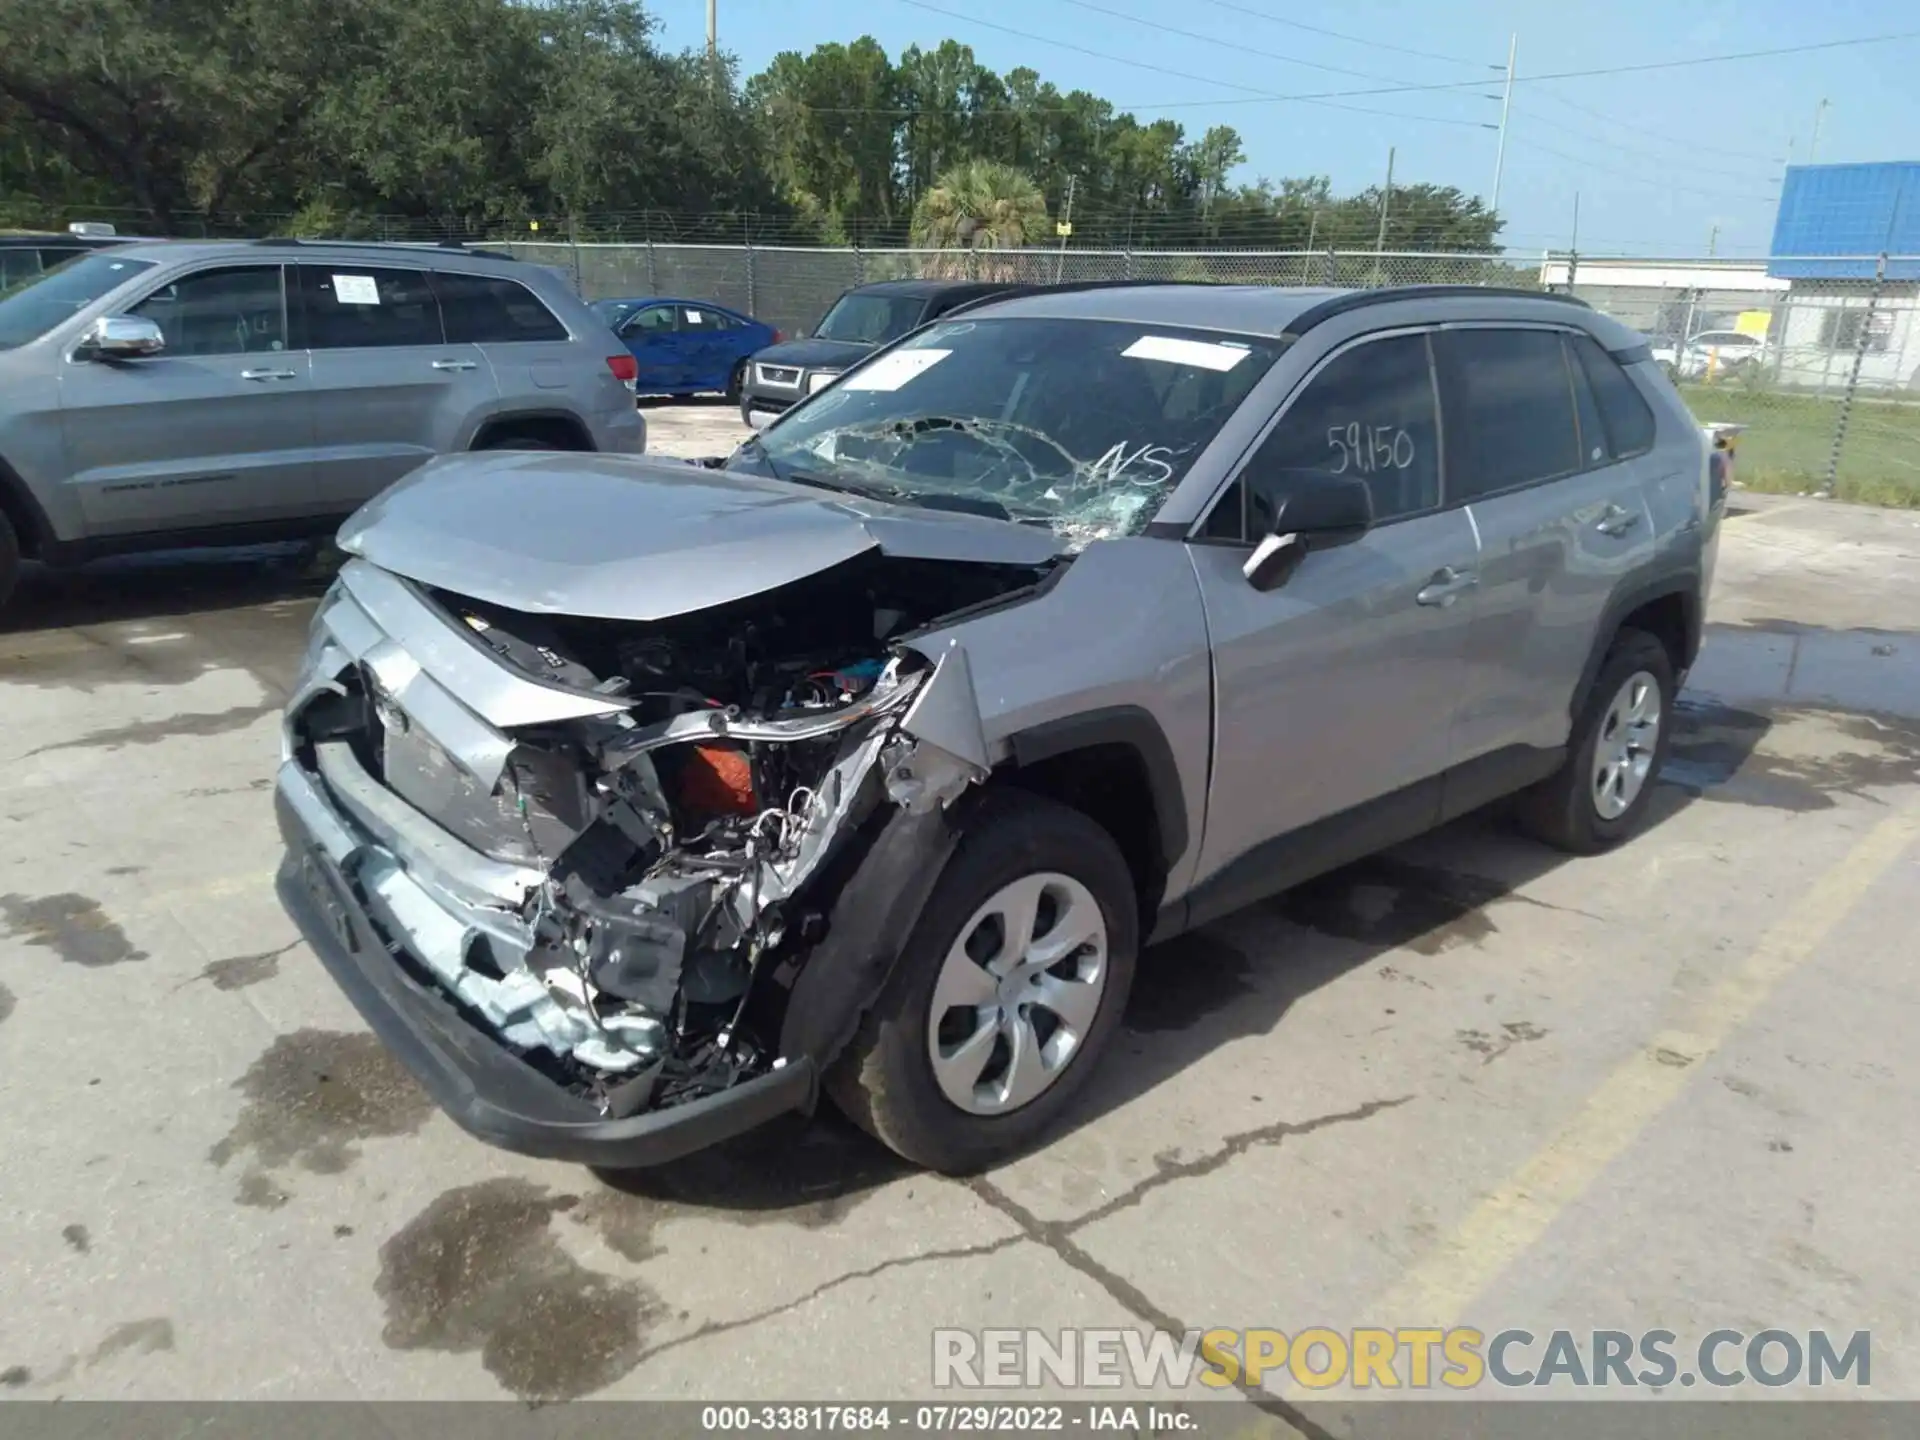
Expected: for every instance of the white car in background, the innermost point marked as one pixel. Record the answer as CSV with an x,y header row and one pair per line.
x,y
1712,352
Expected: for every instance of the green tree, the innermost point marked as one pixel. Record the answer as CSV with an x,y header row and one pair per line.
x,y
185,106
980,204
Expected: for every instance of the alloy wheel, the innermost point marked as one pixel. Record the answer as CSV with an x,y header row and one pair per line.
x,y
1017,993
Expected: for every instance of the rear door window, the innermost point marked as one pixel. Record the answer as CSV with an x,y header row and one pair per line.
x,y
349,306
1624,415
492,310
699,320
1508,399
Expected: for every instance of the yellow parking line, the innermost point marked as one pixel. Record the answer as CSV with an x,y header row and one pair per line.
x,y
1510,1220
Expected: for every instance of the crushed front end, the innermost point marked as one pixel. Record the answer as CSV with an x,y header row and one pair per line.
x,y
571,870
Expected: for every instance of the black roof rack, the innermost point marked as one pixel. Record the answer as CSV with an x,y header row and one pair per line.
x,y
462,246
1043,287
1386,294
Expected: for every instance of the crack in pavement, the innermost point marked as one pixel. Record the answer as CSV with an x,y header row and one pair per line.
x,y
1057,1235
1231,1148
899,1262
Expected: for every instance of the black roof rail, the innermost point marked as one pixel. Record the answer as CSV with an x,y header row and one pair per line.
x,y
1042,287
460,245
1386,294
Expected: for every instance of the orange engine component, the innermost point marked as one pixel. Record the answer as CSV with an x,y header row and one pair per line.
x,y
718,780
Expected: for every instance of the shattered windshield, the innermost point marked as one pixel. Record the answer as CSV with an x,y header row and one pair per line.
x,y
1081,425
871,319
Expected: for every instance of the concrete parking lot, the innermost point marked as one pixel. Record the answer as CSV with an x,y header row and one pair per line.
x,y
1470,1081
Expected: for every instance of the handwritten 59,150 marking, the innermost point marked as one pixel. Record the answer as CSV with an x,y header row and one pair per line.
x,y
1369,448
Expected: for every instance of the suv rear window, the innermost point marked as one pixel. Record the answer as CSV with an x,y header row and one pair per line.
x,y
488,310
1509,404
33,307
1623,414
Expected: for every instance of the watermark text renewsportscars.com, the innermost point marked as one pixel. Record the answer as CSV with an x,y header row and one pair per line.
x,y
1404,1359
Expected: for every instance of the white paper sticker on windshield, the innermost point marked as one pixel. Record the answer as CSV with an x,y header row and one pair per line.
x,y
1207,354
890,372
693,317
356,290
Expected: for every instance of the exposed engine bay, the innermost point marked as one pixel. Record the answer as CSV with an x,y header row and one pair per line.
x,y
670,851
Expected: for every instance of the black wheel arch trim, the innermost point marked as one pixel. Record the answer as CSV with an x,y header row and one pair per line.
x,y
1135,728
1633,596
39,538
508,419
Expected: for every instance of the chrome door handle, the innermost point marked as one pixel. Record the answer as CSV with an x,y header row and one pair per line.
x,y
267,375
1446,586
1617,520
455,364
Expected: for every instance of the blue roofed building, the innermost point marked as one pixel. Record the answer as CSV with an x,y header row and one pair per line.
x,y
1833,225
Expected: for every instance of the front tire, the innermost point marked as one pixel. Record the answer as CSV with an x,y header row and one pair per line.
x,y
9,560
1006,994
1599,797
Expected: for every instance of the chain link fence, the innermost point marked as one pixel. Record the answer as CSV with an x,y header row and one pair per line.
x,y
1818,357
1822,370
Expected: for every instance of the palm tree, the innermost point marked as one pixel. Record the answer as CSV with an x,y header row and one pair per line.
x,y
978,205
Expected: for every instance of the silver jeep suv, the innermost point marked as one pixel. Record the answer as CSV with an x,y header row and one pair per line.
x,y
635,802
165,393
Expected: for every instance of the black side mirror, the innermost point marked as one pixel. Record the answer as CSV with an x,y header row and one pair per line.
x,y
1316,512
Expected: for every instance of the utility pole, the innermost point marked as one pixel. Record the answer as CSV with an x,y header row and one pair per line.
x,y
713,44
1813,145
1506,101
1575,247
1386,201
1713,240
1065,227
1380,238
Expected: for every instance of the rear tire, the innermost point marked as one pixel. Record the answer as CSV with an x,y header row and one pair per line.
x,y
9,560
737,384
968,1011
1600,795
516,442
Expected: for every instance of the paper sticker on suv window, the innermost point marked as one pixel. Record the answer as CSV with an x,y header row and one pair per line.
x,y
1207,354
890,372
356,290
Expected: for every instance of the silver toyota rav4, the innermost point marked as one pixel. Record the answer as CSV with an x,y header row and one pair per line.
x,y
164,393
635,802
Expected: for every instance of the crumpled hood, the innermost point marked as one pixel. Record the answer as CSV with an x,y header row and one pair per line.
x,y
643,538
814,354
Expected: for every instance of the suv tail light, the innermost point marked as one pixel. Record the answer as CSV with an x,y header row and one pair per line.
x,y
779,337
625,369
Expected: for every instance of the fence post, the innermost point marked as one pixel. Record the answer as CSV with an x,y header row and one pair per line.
x,y
1853,376
1129,272
1333,267
859,266
653,273
752,299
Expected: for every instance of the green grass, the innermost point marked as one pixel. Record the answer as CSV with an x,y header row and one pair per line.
x,y
1790,437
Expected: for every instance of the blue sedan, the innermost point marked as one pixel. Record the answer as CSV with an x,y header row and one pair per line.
x,y
687,347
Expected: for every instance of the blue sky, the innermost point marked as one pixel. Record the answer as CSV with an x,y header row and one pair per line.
x,y
1658,158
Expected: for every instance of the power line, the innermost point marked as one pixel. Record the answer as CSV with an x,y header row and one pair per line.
x,y
1640,179
1233,45
1353,39
1689,143
1329,101
1261,97
1618,148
